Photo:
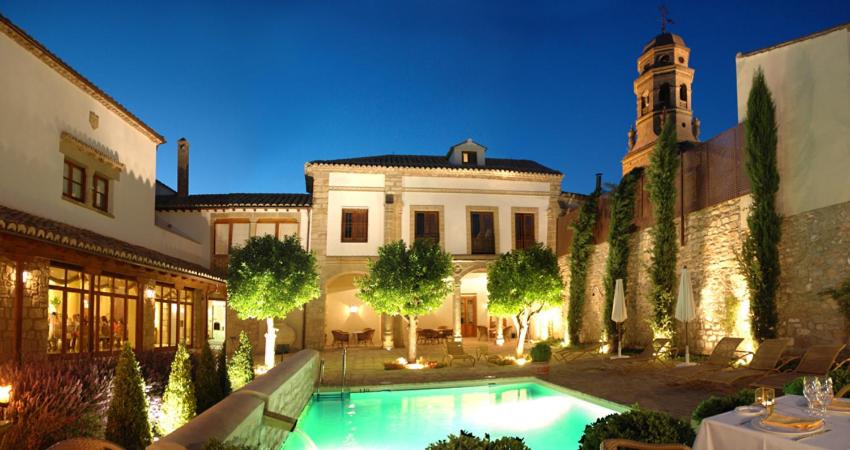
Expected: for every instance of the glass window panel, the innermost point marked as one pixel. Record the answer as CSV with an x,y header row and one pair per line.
x,y
104,284
54,321
75,322
66,171
266,229
86,323
157,324
130,323
132,288
222,238
103,330
57,276
288,229
119,322
77,175
240,234
173,321
182,334
189,318
75,279
120,286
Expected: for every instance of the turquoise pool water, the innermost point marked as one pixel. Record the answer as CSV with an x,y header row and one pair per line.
x,y
412,419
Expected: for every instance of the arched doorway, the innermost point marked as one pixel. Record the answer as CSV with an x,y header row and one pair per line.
x,y
346,313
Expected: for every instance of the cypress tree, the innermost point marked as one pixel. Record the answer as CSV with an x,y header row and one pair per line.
x,y
240,369
127,418
619,233
661,175
759,258
178,401
580,251
221,371
207,385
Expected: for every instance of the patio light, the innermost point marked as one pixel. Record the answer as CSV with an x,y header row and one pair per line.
x,y
149,293
25,276
5,395
354,309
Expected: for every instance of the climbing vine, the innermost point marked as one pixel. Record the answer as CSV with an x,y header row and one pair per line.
x,y
661,177
759,259
619,232
580,251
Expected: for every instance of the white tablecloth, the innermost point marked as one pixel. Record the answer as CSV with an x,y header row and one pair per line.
x,y
733,432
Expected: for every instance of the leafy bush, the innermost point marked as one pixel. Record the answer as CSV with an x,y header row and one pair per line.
x,y
240,369
221,371
127,420
468,441
541,352
840,378
178,401
215,444
645,426
56,400
207,387
720,404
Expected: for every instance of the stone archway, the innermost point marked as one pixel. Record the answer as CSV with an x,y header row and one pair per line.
x,y
345,312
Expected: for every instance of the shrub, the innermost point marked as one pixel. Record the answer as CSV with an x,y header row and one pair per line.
x,y
127,420
215,444
178,401
240,369
221,371
645,426
580,251
56,400
207,387
541,352
468,441
840,378
720,404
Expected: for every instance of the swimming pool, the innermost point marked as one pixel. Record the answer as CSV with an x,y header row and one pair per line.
x,y
547,417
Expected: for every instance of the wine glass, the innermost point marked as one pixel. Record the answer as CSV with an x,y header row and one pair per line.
x,y
766,397
811,387
826,394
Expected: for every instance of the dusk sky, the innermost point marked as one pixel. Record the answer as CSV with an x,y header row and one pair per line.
x,y
261,88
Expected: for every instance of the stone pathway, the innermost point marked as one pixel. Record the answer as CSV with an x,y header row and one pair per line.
x,y
649,388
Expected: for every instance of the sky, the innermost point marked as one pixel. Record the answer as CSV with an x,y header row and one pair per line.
x,y
260,88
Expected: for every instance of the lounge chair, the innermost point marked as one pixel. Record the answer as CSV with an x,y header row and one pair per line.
x,y
616,444
817,361
340,337
764,362
576,352
723,356
454,350
483,332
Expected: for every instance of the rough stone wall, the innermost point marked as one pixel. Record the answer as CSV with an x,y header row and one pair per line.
x,y
815,257
7,318
34,326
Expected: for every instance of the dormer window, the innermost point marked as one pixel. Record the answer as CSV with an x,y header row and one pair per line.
x,y
470,158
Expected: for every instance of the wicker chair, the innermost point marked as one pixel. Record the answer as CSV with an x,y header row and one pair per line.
x,y
483,332
85,444
366,336
340,337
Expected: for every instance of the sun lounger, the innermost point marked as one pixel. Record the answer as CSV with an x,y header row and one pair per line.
x,y
764,362
576,352
723,356
817,361
454,350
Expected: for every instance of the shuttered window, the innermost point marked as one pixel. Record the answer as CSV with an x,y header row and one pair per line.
x,y
483,233
427,225
524,230
355,225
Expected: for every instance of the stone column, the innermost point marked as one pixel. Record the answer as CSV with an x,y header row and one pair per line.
x,y
315,323
387,331
500,331
146,321
458,336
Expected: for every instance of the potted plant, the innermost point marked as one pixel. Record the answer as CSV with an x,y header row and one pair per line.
x,y
541,353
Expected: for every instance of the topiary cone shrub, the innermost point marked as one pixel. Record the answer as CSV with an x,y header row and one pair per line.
x,y
541,352
639,425
221,371
178,401
207,386
127,420
240,369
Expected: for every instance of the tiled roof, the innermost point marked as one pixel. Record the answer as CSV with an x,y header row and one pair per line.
x,y
441,162
13,221
216,201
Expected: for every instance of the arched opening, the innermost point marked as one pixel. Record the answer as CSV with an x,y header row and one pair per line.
x,y
683,93
347,315
664,95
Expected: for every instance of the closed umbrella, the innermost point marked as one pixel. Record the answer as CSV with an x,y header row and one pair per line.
x,y
685,308
619,314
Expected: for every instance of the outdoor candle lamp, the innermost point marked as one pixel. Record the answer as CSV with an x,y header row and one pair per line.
x,y
5,395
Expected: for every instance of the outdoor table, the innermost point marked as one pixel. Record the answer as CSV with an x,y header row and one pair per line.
x,y
731,430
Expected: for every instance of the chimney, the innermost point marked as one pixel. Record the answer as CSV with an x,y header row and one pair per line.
x,y
598,181
182,167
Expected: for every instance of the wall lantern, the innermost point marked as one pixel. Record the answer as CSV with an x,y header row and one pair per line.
x,y
5,399
25,275
150,293
354,309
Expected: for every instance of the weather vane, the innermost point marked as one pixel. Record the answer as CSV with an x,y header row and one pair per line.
x,y
664,19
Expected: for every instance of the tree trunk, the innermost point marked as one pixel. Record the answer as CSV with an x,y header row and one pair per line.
x,y
271,336
521,323
411,337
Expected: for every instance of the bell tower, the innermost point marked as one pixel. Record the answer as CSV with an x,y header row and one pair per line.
x,y
663,92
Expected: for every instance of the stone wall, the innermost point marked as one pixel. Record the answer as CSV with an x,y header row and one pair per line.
x,y
7,302
240,417
34,326
814,254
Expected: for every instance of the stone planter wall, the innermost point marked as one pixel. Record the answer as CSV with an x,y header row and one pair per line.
x,y
285,390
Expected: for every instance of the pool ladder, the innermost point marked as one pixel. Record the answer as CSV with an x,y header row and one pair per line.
x,y
344,391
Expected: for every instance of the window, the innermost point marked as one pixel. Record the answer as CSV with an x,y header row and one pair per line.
x,y
469,157
100,193
355,225
427,225
664,94
115,312
683,93
74,185
483,234
173,315
279,230
524,230
229,235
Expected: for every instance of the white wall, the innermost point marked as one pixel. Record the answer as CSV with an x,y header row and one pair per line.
x,y
339,197
810,84
36,106
340,295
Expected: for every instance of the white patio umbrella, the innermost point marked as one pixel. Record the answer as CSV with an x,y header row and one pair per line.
x,y
685,307
619,314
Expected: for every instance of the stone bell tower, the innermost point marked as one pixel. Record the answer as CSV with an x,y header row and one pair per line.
x,y
663,91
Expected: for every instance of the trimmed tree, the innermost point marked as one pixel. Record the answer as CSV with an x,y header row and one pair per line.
x,y
127,418
407,282
240,369
580,251
178,401
619,233
661,178
221,371
521,284
269,278
207,387
759,258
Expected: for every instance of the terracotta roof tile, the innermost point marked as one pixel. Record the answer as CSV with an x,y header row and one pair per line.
x,y
216,201
441,162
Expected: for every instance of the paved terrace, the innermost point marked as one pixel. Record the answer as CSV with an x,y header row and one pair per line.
x,y
647,387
